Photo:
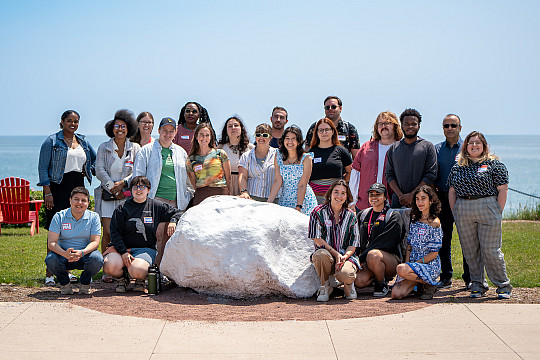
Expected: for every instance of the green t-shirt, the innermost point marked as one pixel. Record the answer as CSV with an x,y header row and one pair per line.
x,y
167,183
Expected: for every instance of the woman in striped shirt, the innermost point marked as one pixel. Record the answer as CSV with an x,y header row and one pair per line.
x,y
334,230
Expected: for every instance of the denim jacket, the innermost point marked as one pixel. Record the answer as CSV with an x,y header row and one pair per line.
x,y
52,159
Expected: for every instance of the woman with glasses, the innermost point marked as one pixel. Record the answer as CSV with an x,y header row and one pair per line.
x,y
190,116
477,195
370,161
235,142
133,235
65,159
144,130
292,171
208,168
331,161
256,167
114,168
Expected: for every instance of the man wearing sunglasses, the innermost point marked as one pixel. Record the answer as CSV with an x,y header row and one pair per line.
x,y
447,152
347,134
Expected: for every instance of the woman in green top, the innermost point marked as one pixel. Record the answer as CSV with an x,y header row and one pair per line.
x,y
208,168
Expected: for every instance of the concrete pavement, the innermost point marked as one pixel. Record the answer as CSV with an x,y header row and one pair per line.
x,y
51,330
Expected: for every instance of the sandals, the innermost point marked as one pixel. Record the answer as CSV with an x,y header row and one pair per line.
x,y
107,278
49,281
72,278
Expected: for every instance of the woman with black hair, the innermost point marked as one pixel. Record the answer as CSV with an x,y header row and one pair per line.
x,y
422,264
65,159
114,168
292,172
190,116
235,142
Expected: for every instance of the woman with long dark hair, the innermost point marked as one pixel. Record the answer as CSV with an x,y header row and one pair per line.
x,y
65,159
235,142
292,171
190,116
422,264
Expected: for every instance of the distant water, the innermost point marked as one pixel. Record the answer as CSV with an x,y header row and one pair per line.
x,y
520,153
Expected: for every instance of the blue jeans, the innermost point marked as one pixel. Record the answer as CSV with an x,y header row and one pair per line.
x,y
90,264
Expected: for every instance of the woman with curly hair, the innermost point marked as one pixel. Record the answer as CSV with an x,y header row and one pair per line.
x,y
422,264
477,195
208,168
292,171
235,142
190,116
114,168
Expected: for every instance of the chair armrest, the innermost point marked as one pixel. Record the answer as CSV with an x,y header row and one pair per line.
x,y
37,203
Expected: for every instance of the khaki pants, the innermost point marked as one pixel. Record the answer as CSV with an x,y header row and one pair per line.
x,y
324,264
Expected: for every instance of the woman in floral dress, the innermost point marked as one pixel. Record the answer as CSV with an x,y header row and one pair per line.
x,y
422,264
292,172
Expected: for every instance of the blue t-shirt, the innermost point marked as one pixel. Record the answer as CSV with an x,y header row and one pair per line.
x,y
75,233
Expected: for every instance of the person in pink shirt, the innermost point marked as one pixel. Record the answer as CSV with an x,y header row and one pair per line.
x,y
190,116
369,162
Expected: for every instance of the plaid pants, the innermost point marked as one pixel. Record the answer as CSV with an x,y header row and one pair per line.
x,y
479,225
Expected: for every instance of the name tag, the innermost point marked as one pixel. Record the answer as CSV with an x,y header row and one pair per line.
x,y
381,217
148,220
129,163
482,169
66,226
456,158
342,137
317,160
328,222
421,231
197,167
184,137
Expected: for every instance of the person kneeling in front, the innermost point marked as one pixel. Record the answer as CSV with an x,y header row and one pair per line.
x,y
73,239
133,235
334,230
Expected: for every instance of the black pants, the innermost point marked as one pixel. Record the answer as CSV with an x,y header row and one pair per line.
x,y
447,225
61,193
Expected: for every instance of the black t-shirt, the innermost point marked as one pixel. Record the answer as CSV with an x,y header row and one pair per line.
x,y
134,225
386,232
329,163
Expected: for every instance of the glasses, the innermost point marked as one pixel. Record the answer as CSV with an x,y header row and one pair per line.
x,y
188,111
123,126
328,107
139,187
323,131
475,143
446,126
147,122
386,123
264,135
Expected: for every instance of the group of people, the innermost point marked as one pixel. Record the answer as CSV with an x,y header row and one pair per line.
x,y
354,194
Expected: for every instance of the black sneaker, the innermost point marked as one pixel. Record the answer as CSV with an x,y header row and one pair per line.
x,y
444,284
380,290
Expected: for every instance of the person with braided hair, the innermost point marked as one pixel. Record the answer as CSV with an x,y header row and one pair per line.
x,y
190,116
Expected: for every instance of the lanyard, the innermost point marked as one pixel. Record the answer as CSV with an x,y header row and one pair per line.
x,y
369,225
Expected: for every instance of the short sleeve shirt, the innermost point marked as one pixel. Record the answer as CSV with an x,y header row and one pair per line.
x,y
208,169
184,137
330,163
478,179
75,233
347,135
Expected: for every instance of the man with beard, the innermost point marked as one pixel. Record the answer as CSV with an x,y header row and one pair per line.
x,y
347,134
278,119
411,163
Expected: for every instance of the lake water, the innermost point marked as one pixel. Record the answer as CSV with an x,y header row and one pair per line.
x,y
520,153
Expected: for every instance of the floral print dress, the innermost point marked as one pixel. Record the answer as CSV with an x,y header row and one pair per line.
x,y
291,175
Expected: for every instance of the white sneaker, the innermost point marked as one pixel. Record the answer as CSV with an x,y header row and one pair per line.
x,y
323,294
351,290
49,281
333,281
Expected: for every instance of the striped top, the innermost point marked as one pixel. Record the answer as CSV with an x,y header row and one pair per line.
x,y
339,235
260,178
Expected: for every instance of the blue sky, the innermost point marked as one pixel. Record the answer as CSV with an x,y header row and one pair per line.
x,y
477,59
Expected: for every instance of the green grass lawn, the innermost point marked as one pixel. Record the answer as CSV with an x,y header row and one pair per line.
x,y
22,256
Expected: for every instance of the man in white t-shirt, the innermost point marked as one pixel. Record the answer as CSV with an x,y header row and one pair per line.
x,y
369,163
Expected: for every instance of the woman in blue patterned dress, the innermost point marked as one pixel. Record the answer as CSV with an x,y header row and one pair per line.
x,y
292,172
422,264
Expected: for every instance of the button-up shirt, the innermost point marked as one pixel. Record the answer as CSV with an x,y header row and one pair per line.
x,y
446,158
75,233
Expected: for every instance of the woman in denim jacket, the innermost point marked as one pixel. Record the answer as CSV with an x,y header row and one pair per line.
x,y
64,160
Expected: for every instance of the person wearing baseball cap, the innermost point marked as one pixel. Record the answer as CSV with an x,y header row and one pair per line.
x,y
381,234
164,164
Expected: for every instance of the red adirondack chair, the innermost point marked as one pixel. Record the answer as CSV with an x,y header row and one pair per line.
x,y
15,204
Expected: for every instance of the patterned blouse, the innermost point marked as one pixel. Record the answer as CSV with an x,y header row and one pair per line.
x,y
478,179
208,169
339,235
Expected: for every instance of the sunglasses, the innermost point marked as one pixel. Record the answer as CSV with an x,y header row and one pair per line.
x,y
328,107
138,187
446,126
188,111
264,135
116,126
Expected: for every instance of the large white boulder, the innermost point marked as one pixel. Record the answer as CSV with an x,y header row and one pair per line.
x,y
241,248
